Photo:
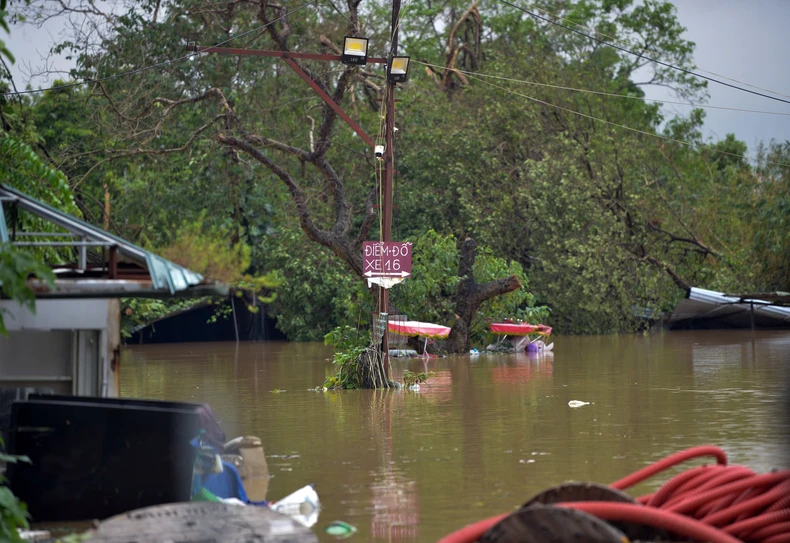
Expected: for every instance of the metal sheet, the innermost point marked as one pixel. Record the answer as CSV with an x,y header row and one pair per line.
x,y
165,275
709,306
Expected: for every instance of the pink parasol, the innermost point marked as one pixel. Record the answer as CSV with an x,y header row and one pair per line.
x,y
520,329
513,329
422,329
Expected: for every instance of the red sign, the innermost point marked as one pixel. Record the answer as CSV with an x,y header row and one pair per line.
x,y
386,259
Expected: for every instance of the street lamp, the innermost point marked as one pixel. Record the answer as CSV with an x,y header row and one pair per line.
x,y
355,51
398,69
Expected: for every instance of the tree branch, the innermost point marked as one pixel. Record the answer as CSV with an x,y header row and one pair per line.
x,y
297,194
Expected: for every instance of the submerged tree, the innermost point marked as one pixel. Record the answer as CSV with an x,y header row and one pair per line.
x,y
334,200
558,163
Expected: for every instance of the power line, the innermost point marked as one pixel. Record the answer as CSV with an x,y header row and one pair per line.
x,y
153,66
624,127
598,32
603,93
661,62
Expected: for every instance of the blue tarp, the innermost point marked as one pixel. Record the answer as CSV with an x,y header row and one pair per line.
x,y
226,484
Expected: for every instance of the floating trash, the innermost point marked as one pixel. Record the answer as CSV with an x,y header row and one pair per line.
x,y
577,403
340,529
415,388
302,505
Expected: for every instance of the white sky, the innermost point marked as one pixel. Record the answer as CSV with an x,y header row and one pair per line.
x,y
747,40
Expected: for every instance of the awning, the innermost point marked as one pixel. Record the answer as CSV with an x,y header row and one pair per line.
x,y
125,270
709,309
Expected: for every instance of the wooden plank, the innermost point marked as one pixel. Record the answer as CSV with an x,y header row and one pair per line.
x,y
202,522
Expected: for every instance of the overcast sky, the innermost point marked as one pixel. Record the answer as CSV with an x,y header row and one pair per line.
x,y
746,40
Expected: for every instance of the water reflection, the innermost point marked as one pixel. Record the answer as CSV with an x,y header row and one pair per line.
x,y
395,514
524,367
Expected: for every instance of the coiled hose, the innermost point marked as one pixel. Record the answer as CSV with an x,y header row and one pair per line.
x,y
718,503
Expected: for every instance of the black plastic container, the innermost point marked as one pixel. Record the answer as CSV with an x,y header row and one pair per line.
x,y
93,458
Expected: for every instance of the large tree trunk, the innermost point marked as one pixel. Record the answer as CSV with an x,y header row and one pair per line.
x,y
471,295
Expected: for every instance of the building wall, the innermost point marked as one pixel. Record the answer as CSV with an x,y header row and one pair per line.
x,y
68,345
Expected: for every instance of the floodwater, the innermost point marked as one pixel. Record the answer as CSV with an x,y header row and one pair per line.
x,y
485,433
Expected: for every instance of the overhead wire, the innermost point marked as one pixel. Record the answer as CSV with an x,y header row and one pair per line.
x,y
618,125
396,214
553,14
152,66
626,50
603,93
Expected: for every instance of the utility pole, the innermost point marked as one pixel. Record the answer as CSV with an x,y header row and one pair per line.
x,y
389,131
389,170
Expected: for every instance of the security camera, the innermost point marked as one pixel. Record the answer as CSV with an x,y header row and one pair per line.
x,y
378,150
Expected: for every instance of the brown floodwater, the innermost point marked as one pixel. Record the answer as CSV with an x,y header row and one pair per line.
x,y
485,433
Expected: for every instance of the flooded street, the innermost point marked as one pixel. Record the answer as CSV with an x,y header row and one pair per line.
x,y
485,433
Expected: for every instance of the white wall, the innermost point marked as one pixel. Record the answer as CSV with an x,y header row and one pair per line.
x,y
70,345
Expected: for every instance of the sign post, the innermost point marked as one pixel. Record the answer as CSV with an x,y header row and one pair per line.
x,y
386,263
386,260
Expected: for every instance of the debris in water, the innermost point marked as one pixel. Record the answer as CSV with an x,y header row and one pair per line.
x,y
340,529
577,403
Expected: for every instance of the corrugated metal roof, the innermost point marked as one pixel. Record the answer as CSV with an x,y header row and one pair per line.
x,y
716,309
165,275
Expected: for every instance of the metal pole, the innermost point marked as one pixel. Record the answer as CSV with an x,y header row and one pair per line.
x,y
83,255
389,166
235,324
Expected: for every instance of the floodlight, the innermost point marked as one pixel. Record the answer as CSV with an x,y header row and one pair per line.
x,y
355,51
398,69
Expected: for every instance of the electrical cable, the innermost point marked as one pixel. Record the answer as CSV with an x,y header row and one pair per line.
x,y
598,32
624,127
603,93
661,62
152,66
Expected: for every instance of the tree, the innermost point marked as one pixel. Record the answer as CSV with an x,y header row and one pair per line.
x,y
21,167
590,193
451,284
334,210
771,222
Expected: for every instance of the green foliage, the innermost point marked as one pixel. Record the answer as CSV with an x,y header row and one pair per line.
x,y
13,513
603,222
16,266
317,292
771,218
411,379
429,294
142,311
209,250
4,52
350,346
206,250
21,168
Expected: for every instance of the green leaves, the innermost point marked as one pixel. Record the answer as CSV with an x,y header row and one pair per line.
x,y
16,266
13,513
429,295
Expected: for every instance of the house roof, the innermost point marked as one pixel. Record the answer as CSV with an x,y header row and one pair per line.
x,y
126,269
710,309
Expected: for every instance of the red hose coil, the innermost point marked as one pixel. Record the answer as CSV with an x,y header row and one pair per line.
x,y
718,504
